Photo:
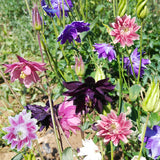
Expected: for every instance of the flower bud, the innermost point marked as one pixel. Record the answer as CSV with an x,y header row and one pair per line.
x,y
99,74
36,19
151,103
122,6
142,9
79,66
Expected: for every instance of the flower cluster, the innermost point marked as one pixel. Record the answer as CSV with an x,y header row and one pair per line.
x,y
22,130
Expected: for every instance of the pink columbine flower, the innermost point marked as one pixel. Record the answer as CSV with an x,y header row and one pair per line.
x,y
125,30
22,130
114,128
25,71
69,120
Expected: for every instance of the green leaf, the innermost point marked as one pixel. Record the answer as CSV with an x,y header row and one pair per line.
x,y
100,8
67,154
134,92
85,126
19,156
154,119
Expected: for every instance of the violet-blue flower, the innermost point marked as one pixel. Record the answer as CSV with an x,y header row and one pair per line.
x,y
135,58
106,51
152,139
57,7
72,31
90,94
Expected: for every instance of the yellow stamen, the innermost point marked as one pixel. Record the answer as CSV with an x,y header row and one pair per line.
x,y
22,75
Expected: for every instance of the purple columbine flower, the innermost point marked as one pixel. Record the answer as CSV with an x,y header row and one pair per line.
x,y
42,114
57,7
135,58
152,140
72,31
106,51
90,94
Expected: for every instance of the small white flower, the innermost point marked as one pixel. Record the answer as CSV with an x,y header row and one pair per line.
x,y
136,158
90,150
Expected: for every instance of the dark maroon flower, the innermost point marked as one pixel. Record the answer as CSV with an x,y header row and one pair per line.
x,y
90,94
42,114
72,31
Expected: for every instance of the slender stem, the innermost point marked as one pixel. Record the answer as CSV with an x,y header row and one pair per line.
x,y
111,144
11,89
39,150
140,63
139,113
63,13
114,11
124,151
102,151
143,135
28,8
82,122
54,124
120,82
40,47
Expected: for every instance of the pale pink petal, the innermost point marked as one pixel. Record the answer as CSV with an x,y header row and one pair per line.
x,y
27,70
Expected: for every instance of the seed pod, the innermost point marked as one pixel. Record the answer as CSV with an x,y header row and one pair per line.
x,y
122,6
142,9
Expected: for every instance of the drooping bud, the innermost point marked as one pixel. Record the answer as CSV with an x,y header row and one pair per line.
x,y
99,75
36,19
79,66
122,6
151,103
142,9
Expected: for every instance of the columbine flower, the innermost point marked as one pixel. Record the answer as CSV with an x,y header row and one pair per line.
x,y
125,30
36,19
68,119
72,31
25,71
57,7
42,114
106,51
22,130
152,139
90,150
114,128
136,158
79,66
135,58
90,94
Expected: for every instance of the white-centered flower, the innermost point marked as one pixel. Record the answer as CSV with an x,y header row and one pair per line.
x,y
90,150
136,158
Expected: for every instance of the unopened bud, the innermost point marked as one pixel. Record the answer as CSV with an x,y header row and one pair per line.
x,y
36,19
142,9
79,66
99,74
151,103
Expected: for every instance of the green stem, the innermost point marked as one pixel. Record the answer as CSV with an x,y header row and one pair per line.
x,y
120,82
11,89
54,124
63,14
39,150
61,48
40,47
143,135
101,148
124,151
111,144
114,10
28,8
140,63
